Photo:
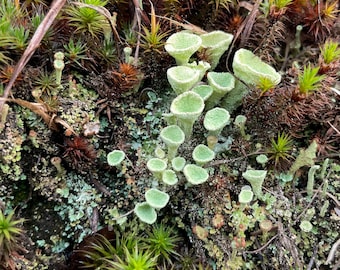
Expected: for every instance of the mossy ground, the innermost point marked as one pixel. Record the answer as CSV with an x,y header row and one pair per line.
x,y
63,207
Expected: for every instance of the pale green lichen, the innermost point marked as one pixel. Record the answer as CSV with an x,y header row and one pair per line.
x,y
79,201
12,138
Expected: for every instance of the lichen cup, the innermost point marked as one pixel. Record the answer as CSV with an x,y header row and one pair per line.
x,y
204,90
145,212
195,175
115,158
173,137
216,43
157,198
221,83
202,154
255,178
182,78
215,120
182,45
187,107
157,166
249,68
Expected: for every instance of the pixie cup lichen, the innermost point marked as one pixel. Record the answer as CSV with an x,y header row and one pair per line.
x,y
249,68
246,195
187,107
255,178
157,167
156,198
202,67
182,45
195,175
215,120
169,177
182,78
240,122
202,154
178,163
216,43
59,65
115,158
145,212
203,90
173,137
221,83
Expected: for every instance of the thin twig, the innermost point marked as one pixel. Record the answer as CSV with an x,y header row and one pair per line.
x,y
56,6
309,204
124,215
137,20
332,251
335,129
225,161
312,260
263,247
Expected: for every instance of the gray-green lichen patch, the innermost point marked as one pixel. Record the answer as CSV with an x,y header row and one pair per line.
x,y
12,138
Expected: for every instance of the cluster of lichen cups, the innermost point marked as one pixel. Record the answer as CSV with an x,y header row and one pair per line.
x,y
194,98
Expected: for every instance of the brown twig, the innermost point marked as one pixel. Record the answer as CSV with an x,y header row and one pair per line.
x,y
137,22
32,46
331,254
263,247
245,28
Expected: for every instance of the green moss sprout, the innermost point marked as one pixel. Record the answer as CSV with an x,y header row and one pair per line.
x,y
280,148
132,260
162,240
152,40
281,3
265,84
330,51
97,252
75,53
309,80
87,20
10,233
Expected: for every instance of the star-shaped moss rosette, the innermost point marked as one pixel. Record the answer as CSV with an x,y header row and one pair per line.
x,y
182,45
